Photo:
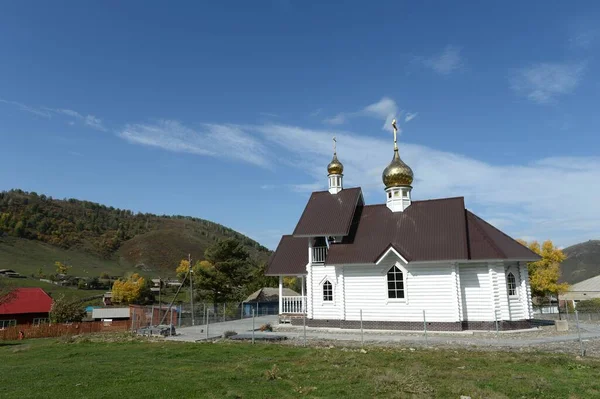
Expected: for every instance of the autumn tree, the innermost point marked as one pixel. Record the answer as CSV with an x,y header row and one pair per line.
x,y
64,311
61,268
545,273
183,268
128,290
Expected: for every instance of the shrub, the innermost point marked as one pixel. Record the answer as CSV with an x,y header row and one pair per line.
x,y
589,305
228,334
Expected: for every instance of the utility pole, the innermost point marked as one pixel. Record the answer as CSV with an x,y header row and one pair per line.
x,y
191,288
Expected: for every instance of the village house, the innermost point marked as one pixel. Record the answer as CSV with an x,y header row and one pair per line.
x,y
401,263
25,306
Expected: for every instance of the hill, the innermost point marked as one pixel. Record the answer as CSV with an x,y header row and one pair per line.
x,y
36,231
583,262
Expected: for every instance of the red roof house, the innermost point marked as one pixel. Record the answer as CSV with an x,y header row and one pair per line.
x,y
25,306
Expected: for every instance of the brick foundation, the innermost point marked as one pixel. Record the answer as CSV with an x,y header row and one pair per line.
x,y
416,325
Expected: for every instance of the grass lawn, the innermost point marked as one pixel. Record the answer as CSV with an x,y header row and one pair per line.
x,y
93,368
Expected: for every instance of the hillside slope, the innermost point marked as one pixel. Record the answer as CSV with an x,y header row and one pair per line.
x,y
39,230
583,262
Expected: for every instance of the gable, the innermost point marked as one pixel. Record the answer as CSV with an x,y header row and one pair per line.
x,y
290,257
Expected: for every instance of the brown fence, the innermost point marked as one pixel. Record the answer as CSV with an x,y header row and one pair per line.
x,y
58,330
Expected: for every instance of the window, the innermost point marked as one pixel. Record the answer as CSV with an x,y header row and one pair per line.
x,y
511,283
42,320
327,291
7,323
389,194
395,281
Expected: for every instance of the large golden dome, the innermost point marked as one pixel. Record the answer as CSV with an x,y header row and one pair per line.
x,y
335,167
397,173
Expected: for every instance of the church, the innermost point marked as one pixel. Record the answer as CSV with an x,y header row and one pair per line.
x,y
401,264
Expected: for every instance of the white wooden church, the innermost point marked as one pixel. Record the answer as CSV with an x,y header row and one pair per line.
x,y
399,263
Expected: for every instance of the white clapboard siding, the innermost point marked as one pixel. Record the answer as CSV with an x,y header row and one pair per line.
x,y
427,287
517,310
476,293
320,308
500,291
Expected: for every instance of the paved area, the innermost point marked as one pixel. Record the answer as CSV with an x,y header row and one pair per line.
x,y
216,330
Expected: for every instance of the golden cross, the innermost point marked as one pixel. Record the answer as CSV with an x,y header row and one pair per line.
x,y
334,144
395,134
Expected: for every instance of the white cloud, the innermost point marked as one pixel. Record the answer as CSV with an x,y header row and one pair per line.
x,y
88,120
523,199
410,116
27,108
444,63
336,120
542,83
385,109
228,141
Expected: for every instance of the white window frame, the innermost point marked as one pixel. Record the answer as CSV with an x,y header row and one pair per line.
x,y
333,284
323,291
7,323
509,272
384,273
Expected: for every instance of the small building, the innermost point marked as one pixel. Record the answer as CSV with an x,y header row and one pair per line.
x,y
583,290
266,301
25,306
108,315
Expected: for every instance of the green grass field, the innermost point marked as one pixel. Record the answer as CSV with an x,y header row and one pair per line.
x,y
93,367
27,256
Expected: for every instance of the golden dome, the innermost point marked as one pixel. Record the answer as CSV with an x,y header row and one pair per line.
x,y
397,173
335,167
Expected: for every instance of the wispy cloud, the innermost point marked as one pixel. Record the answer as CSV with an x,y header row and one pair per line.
x,y
525,206
410,116
26,108
385,109
215,140
444,63
88,120
543,83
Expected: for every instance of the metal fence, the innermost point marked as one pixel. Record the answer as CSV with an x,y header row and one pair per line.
x,y
214,313
565,313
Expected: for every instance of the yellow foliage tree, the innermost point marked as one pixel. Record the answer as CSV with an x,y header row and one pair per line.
x,y
128,290
183,268
61,268
544,274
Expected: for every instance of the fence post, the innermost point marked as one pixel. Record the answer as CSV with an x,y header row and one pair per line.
x,y
152,316
179,314
304,327
207,322
582,351
425,328
496,321
252,325
362,335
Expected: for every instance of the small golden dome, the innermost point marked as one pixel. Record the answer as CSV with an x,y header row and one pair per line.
x,y
335,167
397,173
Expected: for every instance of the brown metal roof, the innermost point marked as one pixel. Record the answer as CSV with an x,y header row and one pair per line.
x,y
290,257
328,214
433,230
426,230
487,242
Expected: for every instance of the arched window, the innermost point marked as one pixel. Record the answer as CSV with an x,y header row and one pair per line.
x,y
511,283
327,291
395,280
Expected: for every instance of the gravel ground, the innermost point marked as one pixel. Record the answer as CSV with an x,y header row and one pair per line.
x,y
544,339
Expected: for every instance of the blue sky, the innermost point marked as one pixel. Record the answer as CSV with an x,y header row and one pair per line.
x,y
225,110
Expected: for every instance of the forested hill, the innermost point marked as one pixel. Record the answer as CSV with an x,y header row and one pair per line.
x,y
147,241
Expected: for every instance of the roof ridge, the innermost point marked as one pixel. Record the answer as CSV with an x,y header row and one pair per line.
x,y
485,235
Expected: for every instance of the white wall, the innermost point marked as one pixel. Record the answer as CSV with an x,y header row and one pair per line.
x,y
427,287
476,292
322,309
